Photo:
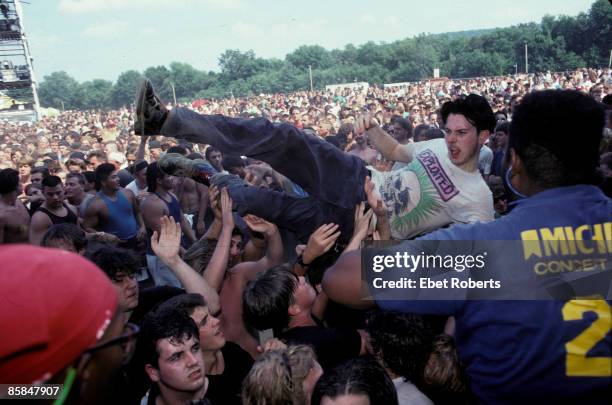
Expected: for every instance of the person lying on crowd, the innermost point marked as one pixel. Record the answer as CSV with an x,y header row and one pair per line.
x,y
444,172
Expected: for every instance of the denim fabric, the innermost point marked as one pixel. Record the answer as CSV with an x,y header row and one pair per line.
x,y
301,215
333,179
321,169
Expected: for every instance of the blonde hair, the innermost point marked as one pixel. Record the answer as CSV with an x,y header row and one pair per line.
x,y
277,377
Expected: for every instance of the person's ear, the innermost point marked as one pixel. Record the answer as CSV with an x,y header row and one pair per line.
x,y
483,136
294,310
152,372
516,164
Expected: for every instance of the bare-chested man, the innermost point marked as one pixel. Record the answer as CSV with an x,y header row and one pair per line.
x,y
53,211
192,196
362,150
14,217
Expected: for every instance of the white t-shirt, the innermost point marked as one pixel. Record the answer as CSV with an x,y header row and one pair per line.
x,y
133,187
432,192
485,159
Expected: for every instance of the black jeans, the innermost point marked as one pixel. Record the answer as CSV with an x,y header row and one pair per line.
x,y
333,179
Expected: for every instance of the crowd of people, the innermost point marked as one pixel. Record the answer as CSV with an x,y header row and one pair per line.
x,y
209,252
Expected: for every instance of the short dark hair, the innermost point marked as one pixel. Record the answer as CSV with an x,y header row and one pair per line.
x,y
359,376
345,130
90,176
194,156
266,299
79,176
185,302
543,133
50,181
114,260
40,169
210,150
403,341
420,128
69,233
103,171
98,154
164,323
9,181
476,109
503,127
405,124
177,149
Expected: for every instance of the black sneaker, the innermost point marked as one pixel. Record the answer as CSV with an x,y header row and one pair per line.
x,y
150,111
175,164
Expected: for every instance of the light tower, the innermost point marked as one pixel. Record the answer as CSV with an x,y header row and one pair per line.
x,y
18,95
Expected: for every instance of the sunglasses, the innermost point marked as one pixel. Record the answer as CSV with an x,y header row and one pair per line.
x,y
127,341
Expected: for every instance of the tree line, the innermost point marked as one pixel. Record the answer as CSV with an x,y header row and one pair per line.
x,y
556,44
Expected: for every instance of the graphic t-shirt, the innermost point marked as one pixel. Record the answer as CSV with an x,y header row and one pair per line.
x,y
432,192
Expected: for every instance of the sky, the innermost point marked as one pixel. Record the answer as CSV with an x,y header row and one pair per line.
x,y
99,39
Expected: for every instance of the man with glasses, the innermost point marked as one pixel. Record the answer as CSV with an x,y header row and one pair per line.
x,y
121,266
61,324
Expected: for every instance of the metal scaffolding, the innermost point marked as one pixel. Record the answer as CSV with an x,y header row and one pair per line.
x,y
18,95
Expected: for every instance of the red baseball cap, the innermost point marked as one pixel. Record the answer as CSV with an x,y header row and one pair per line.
x,y
53,305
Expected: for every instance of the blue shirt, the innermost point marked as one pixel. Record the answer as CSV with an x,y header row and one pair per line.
x,y
534,351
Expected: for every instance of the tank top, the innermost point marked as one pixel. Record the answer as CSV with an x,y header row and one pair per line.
x,y
70,218
121,221
174,210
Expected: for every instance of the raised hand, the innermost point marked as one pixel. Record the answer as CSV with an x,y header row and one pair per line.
x,y
213,194
227,216
167,243
362,221
363,122
320,242
374,200
257,224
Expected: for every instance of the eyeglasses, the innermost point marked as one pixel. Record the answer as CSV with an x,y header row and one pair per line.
x,y
127,340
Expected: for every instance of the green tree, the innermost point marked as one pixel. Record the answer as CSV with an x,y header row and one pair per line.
x,y
310,55
124,90
159,76
96,93
59,90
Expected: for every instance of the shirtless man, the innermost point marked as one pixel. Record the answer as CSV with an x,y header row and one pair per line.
x,y
53,211
14,217
362,150
158,203
192,196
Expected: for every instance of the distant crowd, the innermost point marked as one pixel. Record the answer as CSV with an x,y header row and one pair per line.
x,y
209,252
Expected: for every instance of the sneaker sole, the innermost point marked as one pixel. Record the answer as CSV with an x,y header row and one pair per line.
x,y
140,103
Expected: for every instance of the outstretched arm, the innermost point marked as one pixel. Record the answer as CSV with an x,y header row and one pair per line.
x,y
342,281
384,143
166,244
215,271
